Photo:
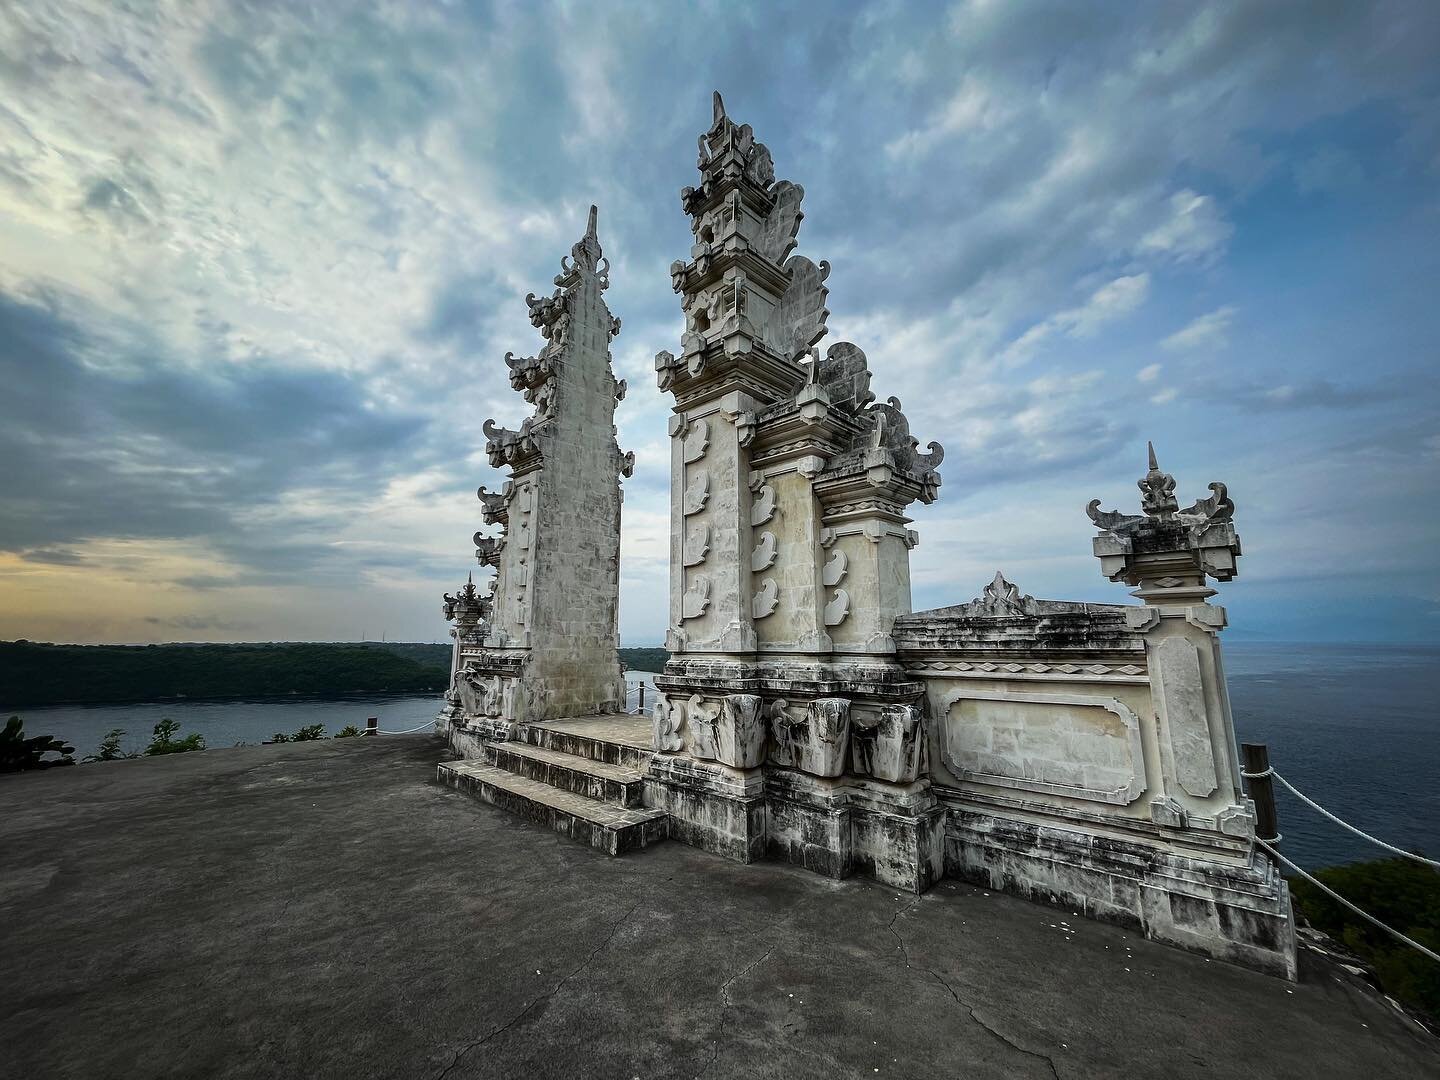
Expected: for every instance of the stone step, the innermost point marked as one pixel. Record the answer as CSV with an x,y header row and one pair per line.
x,y
596,780
612,829
594,747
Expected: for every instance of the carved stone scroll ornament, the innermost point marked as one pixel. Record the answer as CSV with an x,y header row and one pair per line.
x,y
784,744
838,609
741,731
697,493
666,721
763,603
697,544
488,549
506,447
891,435
696,598
889,745
697,438
844,375
493,504
763,508
765,552
702,717
799,320
782,224
834,570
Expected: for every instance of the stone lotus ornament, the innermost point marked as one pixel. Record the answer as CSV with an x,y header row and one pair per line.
x,y
889,745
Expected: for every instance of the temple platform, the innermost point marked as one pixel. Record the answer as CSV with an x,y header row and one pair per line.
x,y
326,909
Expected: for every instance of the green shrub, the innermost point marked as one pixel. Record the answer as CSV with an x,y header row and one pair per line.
x,y
164,741
309,734
349,731
1400,893
108,749
19,754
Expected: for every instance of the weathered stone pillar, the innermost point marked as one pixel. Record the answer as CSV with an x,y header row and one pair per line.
x,y
1168,553
790,552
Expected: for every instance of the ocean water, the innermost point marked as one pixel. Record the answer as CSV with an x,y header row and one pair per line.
x,y
236,722
1356,727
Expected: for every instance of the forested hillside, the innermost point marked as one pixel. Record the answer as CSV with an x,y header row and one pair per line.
x,y
33,673
36,674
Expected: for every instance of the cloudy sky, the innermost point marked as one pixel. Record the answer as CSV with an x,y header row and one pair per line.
x,y
259,265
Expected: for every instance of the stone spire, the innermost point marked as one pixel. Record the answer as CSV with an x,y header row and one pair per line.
x,y
550,649
789,557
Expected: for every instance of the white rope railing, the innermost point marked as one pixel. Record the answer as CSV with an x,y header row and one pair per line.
x,y
407,731
1344,824
1341,900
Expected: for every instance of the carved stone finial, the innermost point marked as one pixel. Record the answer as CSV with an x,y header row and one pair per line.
x,y
586,252
718,104
1157,490
1001,598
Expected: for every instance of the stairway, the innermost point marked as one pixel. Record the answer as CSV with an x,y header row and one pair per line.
x,y
582,777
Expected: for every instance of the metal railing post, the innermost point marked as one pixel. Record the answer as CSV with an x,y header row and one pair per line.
x,y
372,725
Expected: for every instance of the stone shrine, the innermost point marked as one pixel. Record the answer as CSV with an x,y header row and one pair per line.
x,y
1076,754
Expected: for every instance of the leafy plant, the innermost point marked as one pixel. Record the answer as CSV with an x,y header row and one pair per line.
x,y
19,754
349,731
279,736
309,734
1399,892
164,741
109,749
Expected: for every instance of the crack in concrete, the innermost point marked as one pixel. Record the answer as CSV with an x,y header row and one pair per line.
x,y
476,1044
729,1004
969,1009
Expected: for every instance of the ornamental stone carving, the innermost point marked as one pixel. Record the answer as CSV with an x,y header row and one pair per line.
x,y
666,722
889,744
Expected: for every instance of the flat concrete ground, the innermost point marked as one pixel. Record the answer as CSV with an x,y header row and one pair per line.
x,y
326,909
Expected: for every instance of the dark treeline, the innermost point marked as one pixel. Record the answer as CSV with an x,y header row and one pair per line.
x,y
32,673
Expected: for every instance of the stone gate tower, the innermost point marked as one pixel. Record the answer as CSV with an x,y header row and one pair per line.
x,y
546,647
786,725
